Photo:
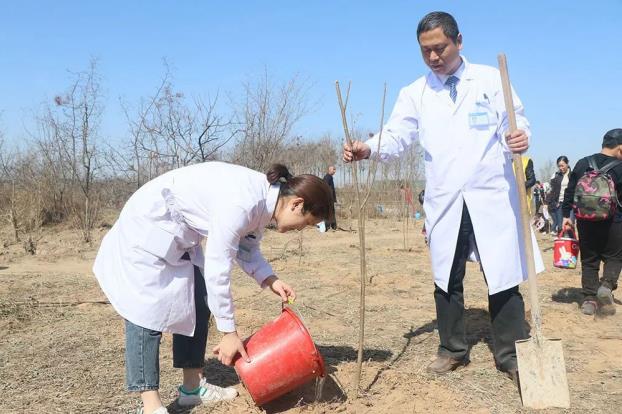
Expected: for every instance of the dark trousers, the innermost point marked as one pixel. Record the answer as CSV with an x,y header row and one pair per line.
x,y
600,241
538,205
507,310
332,224
189,351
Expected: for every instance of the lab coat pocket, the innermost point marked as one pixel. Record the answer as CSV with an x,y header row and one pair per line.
x,y
482,116
162,244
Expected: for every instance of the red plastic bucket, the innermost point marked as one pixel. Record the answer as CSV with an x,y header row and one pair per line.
x,y
566,250
283,357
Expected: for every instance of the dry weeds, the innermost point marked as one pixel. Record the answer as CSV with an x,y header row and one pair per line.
x,y
61,348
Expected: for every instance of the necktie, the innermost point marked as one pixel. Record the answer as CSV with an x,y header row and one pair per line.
x,y
451,82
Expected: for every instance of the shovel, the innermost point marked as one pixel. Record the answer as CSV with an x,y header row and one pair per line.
x,y
541,366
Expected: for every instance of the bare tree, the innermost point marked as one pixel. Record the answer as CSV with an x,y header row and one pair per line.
x,y
8,179
76,133
21,195
56,162
169,132
546,171
309,156
267,115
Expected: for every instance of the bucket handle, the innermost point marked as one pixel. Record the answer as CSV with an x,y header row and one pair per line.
x,y
290,306
570,232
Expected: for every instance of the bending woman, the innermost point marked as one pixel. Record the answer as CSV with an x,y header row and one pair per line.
x,y
152,268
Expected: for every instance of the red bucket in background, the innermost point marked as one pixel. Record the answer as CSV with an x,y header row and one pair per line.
x,y
566,250
283,358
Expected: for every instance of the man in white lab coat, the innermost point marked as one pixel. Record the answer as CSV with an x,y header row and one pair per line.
x,y
456,112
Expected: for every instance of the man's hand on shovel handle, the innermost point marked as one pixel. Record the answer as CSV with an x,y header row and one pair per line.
x,y
518,141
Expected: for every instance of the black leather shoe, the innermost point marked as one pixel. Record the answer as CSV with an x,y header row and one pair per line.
x,y
444,364
512,374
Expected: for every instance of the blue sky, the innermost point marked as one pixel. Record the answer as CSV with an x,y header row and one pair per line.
x,y
565,57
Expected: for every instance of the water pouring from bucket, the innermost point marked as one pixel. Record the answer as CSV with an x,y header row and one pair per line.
x,y
283,358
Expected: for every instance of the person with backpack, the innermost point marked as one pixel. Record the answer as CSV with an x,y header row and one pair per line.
x,y
594,191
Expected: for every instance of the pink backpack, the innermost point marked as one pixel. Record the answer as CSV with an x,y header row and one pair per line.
x,y
595,197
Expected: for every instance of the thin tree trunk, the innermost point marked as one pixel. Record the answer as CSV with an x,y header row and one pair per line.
x,y
361,203
14,214
87,218
405,222
406,230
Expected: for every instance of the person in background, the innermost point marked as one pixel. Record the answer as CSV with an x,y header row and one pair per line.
x,y
538,196
558,182
407,196
328,178
530,180
600,241
548,228
421,198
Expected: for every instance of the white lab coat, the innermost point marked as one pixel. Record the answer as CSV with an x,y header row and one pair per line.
x,y
464,162
139,264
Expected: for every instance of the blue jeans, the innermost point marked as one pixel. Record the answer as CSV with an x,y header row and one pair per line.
x,y
142,345
558,217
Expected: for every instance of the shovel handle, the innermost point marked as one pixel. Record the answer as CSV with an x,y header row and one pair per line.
x,y
519,173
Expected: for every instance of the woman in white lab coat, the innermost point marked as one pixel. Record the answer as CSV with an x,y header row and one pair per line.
x,y
153,270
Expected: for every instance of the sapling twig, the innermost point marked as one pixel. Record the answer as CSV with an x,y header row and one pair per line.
x,y
361,203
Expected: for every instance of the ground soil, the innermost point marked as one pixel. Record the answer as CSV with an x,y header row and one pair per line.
x,y
61,347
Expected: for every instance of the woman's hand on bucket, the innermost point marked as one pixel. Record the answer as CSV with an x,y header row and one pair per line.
x,y
230,345
281,289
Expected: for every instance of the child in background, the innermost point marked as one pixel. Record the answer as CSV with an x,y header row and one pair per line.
x,y
152,268
600,240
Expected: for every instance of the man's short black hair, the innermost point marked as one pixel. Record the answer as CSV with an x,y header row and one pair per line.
x,y
612,138
439,19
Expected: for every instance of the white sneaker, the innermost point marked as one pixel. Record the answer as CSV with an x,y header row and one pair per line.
x,y
161,410
206,393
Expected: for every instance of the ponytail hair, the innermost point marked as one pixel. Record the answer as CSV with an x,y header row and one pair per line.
x,y
278,173
317,195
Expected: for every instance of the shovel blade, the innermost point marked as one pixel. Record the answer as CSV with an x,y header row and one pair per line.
x,y
542,373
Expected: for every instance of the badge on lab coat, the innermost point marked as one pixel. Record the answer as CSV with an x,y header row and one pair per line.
x,y
478,119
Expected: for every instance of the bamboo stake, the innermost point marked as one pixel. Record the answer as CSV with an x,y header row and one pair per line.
x,y
371,172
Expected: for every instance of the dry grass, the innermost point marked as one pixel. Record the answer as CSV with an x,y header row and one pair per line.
x,y
62,351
